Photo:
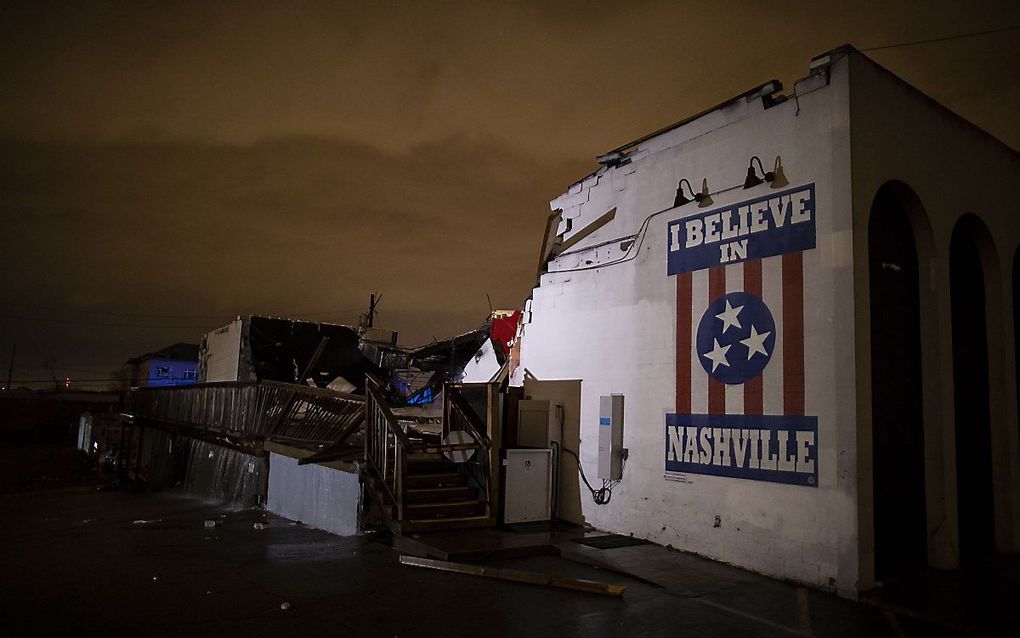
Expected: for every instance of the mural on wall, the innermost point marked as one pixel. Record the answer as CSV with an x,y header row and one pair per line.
x,y
738,340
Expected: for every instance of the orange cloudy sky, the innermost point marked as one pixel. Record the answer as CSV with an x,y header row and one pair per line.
x,y
165,165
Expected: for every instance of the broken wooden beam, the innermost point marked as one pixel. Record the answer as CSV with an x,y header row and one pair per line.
x,y
517,575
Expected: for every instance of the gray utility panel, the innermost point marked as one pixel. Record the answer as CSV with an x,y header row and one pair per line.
x,y
611,437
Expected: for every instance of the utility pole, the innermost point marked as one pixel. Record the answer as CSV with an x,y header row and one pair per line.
x,y
10,367
374,301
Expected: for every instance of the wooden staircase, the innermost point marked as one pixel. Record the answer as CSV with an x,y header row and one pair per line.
x,y
415,486
438,496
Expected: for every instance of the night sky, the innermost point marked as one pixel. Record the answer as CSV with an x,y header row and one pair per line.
x,y
165,166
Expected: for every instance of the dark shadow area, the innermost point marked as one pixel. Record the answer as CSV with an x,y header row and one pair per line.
x,y
971,395
896,390
1016,328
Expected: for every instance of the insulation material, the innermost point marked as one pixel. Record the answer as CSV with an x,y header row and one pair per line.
x,y
219,472
341,384
315,495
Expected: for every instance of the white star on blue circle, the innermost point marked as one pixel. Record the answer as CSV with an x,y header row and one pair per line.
x,y
736,337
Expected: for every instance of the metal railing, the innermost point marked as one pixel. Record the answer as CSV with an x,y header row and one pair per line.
x,y
266,410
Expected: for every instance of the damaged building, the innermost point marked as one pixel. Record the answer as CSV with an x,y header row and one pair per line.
x,y
278,417
804,301
779,333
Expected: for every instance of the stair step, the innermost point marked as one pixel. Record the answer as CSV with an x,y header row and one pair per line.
x,y
421,525
448,479
438,494
425,456
429,467
443,510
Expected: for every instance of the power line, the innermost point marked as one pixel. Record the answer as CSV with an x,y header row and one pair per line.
x,y
116,314
942,39
133,315
333,314
101,324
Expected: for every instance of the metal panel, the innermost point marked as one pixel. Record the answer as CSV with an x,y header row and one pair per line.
x,y
611,437
528,485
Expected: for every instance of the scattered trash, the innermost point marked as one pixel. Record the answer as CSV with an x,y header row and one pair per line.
x,y
143,521
211,523
284,606
208,592
155,578
86,521
260,525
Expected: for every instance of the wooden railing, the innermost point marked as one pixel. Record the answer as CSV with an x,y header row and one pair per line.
x,y
460,414
387,445
262,410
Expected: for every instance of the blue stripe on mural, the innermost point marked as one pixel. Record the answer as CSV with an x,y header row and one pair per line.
x,y
774,224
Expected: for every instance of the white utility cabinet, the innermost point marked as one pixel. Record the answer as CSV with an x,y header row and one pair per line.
x,y
527,485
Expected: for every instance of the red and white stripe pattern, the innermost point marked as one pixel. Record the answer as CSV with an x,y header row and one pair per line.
x,y
779,390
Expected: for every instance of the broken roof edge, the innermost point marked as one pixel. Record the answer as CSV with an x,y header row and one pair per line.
x,y
816,64
759,91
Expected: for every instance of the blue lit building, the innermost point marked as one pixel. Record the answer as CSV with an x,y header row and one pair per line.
x,y
174,365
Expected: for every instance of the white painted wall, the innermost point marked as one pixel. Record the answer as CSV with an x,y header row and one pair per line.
x,y
614,328
222,352
315,495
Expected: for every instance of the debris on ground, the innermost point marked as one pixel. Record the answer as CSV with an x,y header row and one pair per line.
x,y
143,521
284,606
260,525
516,575
212,523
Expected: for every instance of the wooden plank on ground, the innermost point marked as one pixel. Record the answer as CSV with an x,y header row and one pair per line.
x,y
517,575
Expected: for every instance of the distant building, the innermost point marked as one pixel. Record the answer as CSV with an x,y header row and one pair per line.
x,y
173,365
817,349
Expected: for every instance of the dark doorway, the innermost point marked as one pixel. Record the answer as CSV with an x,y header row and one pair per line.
x,y
896,394
971,395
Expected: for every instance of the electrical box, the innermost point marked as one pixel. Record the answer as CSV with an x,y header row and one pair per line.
x,y
527,485
538,423
611,437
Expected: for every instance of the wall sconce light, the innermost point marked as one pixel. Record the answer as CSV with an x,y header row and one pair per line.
x,y
703,198
776,178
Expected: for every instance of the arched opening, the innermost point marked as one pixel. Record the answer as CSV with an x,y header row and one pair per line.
x,y
971,391
897,419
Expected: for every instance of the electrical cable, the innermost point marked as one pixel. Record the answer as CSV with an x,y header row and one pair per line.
x,y
341,312
635,246
942,39
115,325
601,496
